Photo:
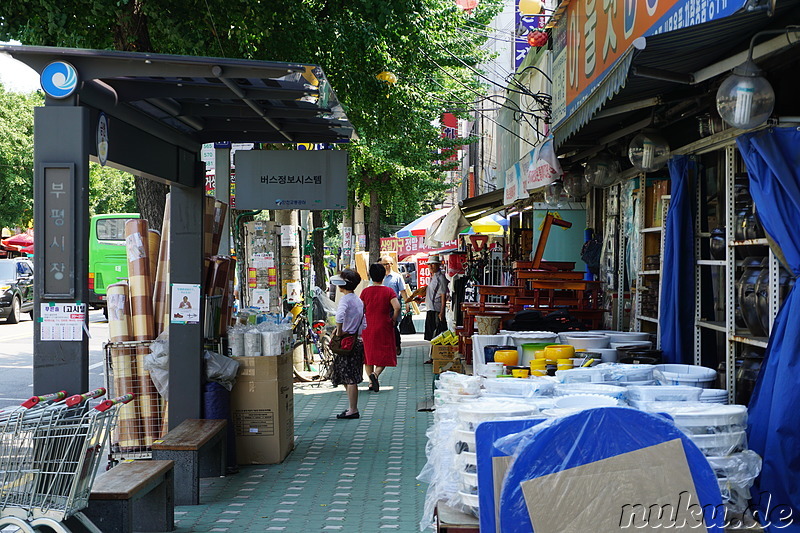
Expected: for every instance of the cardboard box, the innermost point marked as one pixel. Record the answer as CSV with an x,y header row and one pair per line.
x,y
443,353
454,365
262,405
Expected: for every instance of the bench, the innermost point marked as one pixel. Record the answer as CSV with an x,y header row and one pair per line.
x,y
199,449
135,496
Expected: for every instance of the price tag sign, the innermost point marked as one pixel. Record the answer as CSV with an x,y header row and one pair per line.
x,y
62,321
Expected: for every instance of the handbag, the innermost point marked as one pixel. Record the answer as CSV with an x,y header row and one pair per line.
x,y
345,344
407,325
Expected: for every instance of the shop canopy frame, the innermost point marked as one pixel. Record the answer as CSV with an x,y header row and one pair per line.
x,y
160,110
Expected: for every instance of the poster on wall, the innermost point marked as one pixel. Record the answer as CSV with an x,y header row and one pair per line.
x,y
185,308
62,322
261,299
294,292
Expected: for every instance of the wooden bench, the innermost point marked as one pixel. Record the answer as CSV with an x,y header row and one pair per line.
x,y
199,449
134,496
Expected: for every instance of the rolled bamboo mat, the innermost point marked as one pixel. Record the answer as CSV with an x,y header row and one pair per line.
x,y
208,225
227,298
161,285
220,211
129,432
153,244
219,285
143,323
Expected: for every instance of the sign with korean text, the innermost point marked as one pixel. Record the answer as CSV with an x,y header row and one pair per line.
x,y
596,33
185,304
406,246
62,321
291,179
59,231
423,272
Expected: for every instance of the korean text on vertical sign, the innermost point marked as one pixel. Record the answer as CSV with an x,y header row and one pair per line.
x,y
59,231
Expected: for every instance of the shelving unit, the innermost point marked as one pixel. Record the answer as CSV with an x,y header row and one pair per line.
x,y
734,338
651,237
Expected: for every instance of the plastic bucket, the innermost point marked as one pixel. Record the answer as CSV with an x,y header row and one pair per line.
x,y
529,349
692,375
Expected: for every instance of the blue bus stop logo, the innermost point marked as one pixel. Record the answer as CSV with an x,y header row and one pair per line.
x,y
59,79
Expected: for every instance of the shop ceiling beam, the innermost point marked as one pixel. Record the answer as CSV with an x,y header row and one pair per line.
x,y
217,71
662,75
721,67
173,109
626,108
633,128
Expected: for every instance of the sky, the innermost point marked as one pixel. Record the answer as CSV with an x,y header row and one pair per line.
x,y
16,76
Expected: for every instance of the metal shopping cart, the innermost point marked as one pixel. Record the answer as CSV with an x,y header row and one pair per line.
x,y
49,452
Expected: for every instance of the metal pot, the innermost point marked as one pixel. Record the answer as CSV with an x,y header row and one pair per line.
x,y
748,302
786,282
717,243
746,377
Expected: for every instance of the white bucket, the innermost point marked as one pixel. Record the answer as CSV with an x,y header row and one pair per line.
x,y
692,375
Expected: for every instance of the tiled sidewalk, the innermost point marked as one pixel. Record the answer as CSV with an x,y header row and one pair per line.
x,y
344,475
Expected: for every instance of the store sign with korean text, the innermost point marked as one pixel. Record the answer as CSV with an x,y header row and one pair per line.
x,y
593,34
291,179
58,231
412,245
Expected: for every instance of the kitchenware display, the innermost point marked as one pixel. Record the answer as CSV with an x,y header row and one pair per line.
x,y
607,355
645,357
528,351
584,401
747,375
490,349
597,389
585,341
581,375
747,296
519,387
719,396
487,325
786,282
618,372
664,393
717,243
559,351
644,345
507,357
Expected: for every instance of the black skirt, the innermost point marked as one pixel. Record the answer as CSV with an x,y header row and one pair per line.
x,y
349,369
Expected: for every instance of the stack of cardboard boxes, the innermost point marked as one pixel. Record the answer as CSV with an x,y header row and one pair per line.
x,y
446,358
262,405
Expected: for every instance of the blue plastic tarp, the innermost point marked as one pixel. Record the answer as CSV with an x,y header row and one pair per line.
x,y
676,316
772,158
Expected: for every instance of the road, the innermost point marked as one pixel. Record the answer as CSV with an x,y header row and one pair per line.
x,y
16,357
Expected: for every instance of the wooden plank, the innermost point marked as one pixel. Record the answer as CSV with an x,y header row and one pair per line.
x,y
127,479
191,434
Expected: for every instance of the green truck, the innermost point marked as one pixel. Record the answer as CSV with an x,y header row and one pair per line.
x,y
108,259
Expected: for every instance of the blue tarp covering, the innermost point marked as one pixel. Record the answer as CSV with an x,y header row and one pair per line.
x,y
772,158
677,291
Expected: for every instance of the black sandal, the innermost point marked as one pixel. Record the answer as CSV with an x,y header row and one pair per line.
x,y
374,385
344,415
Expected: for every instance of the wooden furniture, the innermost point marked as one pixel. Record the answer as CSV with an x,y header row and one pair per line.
x,y
199,449
134,496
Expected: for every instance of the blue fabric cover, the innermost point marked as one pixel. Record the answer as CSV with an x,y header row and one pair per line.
x,y
676,316
772,158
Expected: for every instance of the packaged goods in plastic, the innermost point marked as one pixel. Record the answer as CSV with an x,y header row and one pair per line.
x,y
600,389
625,372
581,375
520,387
664,393
584,401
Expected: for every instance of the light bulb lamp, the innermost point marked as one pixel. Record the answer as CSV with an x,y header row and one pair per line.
x,y
746,99
648,151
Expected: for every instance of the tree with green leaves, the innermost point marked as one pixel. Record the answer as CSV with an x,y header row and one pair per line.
x,y
423,42
16,157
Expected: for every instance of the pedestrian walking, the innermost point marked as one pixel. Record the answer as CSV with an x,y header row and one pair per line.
x,y
436,299
394,280
381,309
348,369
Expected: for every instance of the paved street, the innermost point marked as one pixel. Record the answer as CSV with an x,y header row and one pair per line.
x,y
16,357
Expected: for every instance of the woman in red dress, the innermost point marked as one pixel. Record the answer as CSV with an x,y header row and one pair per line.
x,y
381,310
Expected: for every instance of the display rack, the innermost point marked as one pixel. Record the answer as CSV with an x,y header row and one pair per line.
x,y
649,321
735,338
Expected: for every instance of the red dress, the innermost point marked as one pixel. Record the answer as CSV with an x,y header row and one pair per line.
x,y
379,348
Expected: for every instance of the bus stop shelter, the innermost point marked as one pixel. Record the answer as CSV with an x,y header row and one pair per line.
x,y
149,114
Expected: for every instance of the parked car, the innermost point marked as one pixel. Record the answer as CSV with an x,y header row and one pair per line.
x,y
16,289
409,272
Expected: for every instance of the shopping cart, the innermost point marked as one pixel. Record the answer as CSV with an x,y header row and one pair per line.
x,y
49,452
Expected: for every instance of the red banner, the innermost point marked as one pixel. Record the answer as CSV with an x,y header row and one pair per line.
x,y
412,245
423,272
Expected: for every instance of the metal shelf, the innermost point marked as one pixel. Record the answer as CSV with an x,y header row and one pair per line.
x,y
650,273
750,242
712,262
648,319
761,342
711,324
651,230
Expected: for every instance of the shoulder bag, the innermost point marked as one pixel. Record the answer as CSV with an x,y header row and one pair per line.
x,y
345,344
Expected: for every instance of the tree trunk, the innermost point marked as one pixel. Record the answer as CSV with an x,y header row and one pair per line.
x,y
151,199
318,240
374,227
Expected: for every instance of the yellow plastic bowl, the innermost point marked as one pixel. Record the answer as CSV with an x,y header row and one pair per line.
x,y
519,372
507,357
537,372
559,351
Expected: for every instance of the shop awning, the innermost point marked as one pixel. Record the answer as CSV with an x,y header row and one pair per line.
x,y
670,63
420,226
483,204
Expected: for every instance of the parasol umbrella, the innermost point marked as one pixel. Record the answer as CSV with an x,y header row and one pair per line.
x,y
420,226
18,242
493,224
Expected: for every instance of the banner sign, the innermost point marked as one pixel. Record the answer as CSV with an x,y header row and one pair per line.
x,y
412,245
291,179
591,36
423,272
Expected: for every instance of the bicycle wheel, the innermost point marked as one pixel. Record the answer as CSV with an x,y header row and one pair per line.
x,y
325,357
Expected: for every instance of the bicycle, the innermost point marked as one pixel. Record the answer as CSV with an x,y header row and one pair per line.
x,y
315,340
